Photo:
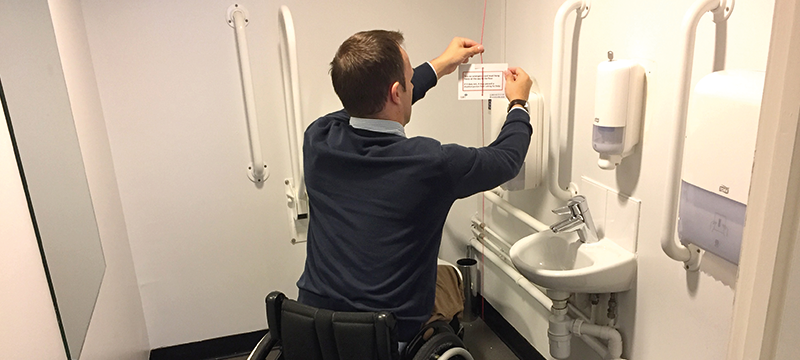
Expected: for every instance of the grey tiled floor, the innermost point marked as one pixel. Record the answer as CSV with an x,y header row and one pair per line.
x,y
481,342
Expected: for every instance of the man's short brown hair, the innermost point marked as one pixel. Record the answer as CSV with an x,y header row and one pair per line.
x,y
364,69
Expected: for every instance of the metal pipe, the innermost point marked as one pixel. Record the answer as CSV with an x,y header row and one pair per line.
x,y
496,249
479,228
500,239
469,273
677,133
258,169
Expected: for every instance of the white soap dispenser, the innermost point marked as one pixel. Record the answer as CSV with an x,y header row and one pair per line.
x,y
618,110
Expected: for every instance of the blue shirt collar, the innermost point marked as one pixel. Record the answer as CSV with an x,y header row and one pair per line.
x,y
378,125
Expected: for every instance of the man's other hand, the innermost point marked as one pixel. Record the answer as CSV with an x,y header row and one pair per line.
x,y
518,84
458,52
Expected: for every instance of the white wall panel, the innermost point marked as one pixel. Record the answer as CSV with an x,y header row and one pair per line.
x,y
28,324
208,244
118,301
670,313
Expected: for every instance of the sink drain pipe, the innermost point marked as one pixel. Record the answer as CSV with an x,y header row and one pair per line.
x,y
610,334
562,327
559,332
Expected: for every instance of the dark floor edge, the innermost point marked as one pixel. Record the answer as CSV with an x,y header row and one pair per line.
x,y
222,347
242,344
507,333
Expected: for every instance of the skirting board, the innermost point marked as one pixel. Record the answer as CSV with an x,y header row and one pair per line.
x,y
222,347
506,332
242,344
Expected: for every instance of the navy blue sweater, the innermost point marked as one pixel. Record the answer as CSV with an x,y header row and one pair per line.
x,y
377,206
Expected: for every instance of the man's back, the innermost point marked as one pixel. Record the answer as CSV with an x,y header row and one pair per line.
x,y
377,200
378,203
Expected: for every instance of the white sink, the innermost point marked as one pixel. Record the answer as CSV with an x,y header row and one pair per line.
x,y
561,262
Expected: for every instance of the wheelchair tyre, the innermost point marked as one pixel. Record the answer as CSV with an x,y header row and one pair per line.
x,y
438,345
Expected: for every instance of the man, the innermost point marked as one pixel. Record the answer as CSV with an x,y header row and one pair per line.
x,y
378,200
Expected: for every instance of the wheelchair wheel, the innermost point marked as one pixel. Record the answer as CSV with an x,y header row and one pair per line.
x,y
438,345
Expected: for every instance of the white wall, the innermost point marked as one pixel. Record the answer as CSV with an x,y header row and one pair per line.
x,y
788,332
118,301
208,244
28,324
669,313
48,145
34,86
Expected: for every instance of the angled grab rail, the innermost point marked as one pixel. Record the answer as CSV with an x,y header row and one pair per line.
x,y
238,19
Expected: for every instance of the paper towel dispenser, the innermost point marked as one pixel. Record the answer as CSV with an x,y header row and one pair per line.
x,y
721,128
533,169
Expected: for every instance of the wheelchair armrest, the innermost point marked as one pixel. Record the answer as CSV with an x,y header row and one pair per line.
x,y
274,302
263,348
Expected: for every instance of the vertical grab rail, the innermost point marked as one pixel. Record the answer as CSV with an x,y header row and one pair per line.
x,y
295,187
673,249
559,33
238,19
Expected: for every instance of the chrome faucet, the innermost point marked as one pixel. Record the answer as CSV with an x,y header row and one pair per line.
x,y
579,220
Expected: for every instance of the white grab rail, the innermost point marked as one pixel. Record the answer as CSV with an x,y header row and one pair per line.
x,y
669,243
237,18
291,95
559,33
515,212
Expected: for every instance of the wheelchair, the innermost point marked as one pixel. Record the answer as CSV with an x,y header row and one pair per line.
x,y
301,332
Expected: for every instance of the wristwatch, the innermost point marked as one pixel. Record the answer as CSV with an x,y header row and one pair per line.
x,y
524,104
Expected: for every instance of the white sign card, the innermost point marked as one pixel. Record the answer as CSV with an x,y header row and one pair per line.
x,y
481,81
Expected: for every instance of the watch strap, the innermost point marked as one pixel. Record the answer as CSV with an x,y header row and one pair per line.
x,y
524,104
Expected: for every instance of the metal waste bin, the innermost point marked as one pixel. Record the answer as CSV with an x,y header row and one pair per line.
x,y
469,271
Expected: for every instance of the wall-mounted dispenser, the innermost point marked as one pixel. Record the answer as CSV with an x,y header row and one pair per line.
x,y
618,108
718,157
532,172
